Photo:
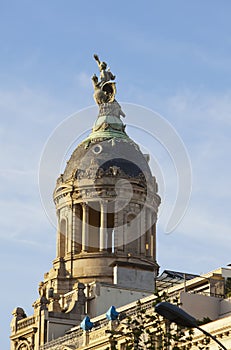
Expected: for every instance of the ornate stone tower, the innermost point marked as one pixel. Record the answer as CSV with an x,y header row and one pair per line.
x,y
106,202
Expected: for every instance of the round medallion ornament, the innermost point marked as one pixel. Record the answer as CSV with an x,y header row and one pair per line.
x,y
97,149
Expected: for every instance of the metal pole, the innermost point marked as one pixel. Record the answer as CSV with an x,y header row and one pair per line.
x,y
212,336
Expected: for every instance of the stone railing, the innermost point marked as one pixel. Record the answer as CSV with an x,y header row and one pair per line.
x,y
206,293
78,338
26,322
74,338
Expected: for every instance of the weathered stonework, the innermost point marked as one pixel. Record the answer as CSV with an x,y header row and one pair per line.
x,y
106,203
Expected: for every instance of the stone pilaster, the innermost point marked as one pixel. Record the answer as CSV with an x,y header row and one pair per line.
x,y
103,226
85,227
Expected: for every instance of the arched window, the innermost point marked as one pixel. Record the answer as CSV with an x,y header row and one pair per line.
x,y
23,346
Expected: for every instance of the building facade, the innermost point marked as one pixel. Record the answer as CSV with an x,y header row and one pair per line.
x,y
107,203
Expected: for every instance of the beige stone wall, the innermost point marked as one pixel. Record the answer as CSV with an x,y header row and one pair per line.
x,y
200,306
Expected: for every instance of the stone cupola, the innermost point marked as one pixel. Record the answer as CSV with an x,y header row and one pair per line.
x,y
106,201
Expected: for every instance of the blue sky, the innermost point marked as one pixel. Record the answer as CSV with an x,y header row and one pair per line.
x,y
173,57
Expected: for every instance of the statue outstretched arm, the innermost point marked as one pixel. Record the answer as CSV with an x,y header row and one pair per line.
x,y
96,57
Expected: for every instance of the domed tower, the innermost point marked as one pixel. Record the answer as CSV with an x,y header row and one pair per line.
x,y
106,200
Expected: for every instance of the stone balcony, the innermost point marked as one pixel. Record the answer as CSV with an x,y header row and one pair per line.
x,y
26,322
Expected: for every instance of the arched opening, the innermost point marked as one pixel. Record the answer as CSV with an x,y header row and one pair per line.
x,y
77,234
62,238
131,234
23,346
110,229
94,227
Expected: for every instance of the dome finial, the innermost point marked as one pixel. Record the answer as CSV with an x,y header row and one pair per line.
x,y
105,90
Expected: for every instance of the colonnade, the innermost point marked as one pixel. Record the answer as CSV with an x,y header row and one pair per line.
x,y
111,237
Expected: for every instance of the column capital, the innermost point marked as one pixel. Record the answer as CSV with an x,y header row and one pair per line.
x,y
84,204
104,202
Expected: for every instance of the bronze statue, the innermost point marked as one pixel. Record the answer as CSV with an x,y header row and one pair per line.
x,y
105,74
105,90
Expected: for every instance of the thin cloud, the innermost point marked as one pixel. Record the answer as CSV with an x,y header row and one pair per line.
x,y
83,80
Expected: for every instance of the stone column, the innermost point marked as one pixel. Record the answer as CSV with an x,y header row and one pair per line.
x,y
77,228
148,232
143,230
153,235
103,226
115,243
58,234
85,227
153,242
70,229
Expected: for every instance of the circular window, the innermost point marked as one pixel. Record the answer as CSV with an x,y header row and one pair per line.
x,y
97,149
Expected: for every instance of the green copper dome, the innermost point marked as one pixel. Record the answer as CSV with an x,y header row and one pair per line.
x,y
107,127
